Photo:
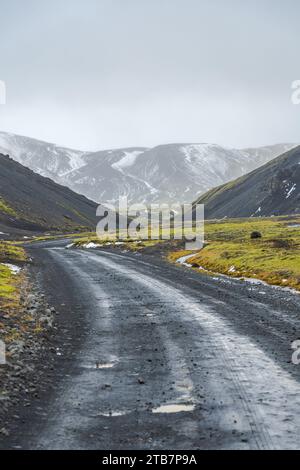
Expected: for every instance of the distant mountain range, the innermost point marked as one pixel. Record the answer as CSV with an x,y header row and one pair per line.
x,y
47,159
166,173
32,203
273,189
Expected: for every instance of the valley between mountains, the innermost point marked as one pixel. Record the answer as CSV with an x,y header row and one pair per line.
x,y
140,344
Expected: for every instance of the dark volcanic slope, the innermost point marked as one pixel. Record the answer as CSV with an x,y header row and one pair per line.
x,y
31,202
270,190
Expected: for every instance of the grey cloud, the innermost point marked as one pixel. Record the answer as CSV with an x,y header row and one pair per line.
x,y
110,73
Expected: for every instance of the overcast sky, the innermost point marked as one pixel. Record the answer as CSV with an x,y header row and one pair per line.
x,y
96,74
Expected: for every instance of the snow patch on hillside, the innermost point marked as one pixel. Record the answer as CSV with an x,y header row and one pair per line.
x,y
127,160
290,191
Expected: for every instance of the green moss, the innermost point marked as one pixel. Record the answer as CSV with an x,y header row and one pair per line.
x,y
5,207
9,253
275,258
8,287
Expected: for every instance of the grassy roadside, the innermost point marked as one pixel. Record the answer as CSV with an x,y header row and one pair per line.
x,y
229,249
50,236
140,242
10,254
128,244
12,283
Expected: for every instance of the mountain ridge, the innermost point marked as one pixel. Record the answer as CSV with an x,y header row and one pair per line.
x,y
271,190
163,174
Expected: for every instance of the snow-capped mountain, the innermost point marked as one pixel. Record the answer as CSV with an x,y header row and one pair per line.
x,y
106,176
166,173
47,159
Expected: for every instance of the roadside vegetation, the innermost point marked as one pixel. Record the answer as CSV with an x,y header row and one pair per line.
x,y
261,248
266,249
92,241
88,240
10,255
56,236
12,283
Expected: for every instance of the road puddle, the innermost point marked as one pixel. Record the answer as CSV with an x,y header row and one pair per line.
x,y
179,408
107,365
100,365
113,414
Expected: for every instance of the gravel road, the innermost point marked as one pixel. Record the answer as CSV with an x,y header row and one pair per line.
x,y
156,356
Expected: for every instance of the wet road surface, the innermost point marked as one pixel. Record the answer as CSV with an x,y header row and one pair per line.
x,y
165,358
